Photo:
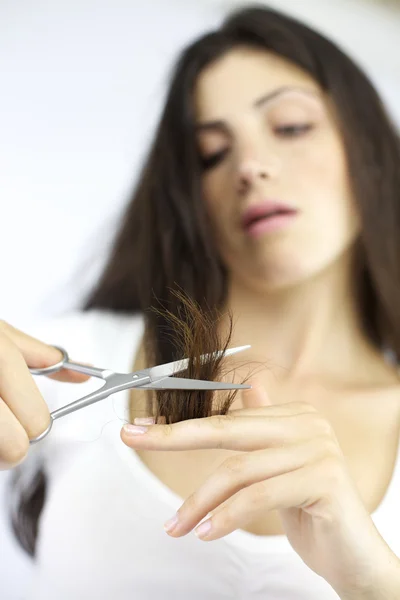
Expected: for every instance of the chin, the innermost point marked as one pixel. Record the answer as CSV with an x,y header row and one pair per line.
x,y
279,275
283,281
273,267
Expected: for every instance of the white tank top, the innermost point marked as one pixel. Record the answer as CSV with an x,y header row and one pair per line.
x,y
101,532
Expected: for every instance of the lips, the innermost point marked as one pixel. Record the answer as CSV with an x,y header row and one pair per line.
x,y
264,211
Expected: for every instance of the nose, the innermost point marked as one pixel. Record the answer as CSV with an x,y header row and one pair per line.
x,y
252,171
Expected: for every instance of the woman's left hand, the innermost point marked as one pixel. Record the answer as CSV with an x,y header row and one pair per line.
x,y
291,462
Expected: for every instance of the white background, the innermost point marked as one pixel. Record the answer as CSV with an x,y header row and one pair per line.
x,y
82,82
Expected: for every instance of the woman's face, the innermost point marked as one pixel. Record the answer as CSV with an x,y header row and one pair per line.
x,y
275,176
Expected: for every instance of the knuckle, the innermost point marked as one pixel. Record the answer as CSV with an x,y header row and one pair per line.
x,y
221,421
227,518
234,465
192,503
167,430
304,407
322,425
260,493
331,447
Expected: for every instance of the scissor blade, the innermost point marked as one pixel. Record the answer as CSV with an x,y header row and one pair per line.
x,y
180,365
180,383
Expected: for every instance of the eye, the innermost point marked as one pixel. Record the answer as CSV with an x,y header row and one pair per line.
x,y
208,162
293,131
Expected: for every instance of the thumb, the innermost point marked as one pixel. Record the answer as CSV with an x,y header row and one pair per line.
x,y
256,396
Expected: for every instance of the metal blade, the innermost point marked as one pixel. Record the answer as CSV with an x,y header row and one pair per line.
x,y
180,383
180,365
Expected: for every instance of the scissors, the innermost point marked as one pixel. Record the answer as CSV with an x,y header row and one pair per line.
x,y
154,378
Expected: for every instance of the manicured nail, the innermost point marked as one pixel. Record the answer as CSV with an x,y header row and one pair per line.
x,y
171,523
134,429
144,421
204,529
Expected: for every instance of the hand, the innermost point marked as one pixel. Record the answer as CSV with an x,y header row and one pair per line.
x,y
23,412
291,462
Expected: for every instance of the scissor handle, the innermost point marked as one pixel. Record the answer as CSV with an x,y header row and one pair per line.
x,y
44,434
53,368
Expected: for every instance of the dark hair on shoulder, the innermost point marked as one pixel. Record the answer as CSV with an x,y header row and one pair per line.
x,y
165,241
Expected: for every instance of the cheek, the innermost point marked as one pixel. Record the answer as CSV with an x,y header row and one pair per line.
x,y
322,181
213,186
220,201
319,162
330,222
218,197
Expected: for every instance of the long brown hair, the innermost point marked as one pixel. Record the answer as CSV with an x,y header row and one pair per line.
x,y
165,239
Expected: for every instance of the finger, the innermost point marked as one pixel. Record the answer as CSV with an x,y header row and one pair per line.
x,y
275,410
14,442
19,391
293,489
256,396
226,431
69,376
241,471
37,354
322,488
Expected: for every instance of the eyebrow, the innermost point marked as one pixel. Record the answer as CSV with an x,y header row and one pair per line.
x,y
220,124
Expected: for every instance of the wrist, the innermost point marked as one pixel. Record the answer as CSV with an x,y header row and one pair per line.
x,y
384,585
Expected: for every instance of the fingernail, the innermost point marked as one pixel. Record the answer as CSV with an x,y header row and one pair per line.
x,y
204,529
134,429
171,523
144,420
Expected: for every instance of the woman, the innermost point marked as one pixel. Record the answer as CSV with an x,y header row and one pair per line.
x,y
271,191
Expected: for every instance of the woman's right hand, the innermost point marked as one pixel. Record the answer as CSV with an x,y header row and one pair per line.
x,y
23,412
